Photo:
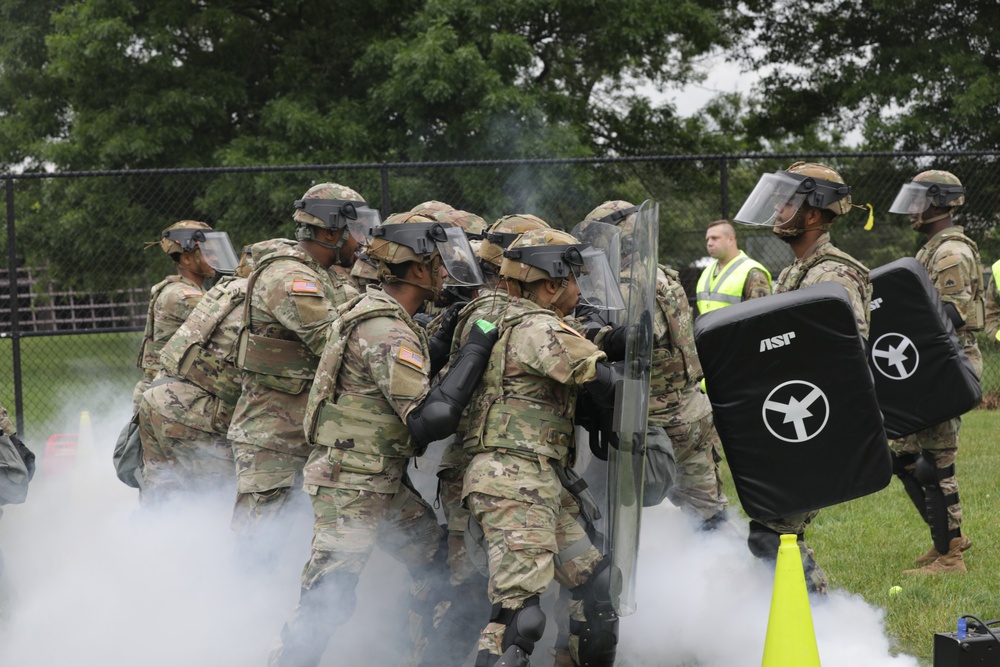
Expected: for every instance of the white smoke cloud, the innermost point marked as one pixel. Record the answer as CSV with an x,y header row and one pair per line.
x,y
92,581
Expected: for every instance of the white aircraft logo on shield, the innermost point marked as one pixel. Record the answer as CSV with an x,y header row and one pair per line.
x,y
796,411
895,356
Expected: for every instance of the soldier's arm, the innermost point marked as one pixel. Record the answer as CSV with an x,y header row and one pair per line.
x,y
993,312
756,285
953,274
297,300
554,349
176,302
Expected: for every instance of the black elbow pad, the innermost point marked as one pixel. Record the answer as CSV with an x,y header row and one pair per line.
x,y
952,312
438,416
602,388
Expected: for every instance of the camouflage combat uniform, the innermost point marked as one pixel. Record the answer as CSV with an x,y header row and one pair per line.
x,y
185,415
171,302
678,406
823,262
375,370
993,305
520,429
951,260
292,303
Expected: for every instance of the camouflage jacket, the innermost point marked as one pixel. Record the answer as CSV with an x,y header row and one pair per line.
x,y
521,423
993,305
374,371
952,261
200,357
171,302
823,262
292,303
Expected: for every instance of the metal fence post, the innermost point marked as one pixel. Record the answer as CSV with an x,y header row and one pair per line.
x,y
724,178
386,202
15,328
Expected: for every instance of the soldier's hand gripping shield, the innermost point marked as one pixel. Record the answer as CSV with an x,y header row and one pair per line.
x,y
215,247
607,239
626,463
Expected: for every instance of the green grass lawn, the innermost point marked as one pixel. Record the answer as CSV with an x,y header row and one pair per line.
x,y
864,546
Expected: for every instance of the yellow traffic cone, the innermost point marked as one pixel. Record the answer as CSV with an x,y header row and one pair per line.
x,y
791,640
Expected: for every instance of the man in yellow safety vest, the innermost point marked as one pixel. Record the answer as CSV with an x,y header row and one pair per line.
x,y
732,276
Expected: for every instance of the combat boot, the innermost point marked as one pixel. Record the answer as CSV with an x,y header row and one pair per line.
x,y
562,658
934,554
949,563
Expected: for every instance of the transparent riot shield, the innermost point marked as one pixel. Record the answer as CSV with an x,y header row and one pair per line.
x,y
625,463
606,238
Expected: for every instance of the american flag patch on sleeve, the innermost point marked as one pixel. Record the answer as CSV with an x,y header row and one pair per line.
x,y
411,357
305,287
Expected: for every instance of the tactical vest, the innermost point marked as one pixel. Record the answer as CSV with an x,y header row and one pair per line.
x,y
726,289
363,430
285,365
834,254
494,413
186,356
149,351
676,367
977,312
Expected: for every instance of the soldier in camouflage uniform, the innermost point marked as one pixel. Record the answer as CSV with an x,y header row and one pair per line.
x,y
993,304
925,460
521,432
184,416
372,408
490,305
292,301
173,299
801,203
680,415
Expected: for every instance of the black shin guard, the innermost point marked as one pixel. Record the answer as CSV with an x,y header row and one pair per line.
x,y
914,489
525,626
599,632
928,474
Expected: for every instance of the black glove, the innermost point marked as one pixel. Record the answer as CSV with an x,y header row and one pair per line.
x,y
440,342
593,315
26,455
602,387
423,319
614,341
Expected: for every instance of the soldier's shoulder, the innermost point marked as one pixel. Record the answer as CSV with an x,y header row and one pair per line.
x,y
176,293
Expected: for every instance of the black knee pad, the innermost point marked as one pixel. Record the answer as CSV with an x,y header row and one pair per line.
x,y
927,472
900,463
525,626
763,541
599,632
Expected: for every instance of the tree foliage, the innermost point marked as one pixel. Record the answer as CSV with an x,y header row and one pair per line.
x,y
912,74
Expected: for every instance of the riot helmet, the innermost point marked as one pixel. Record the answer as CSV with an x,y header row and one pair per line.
x,y
778,198
430,207
940,189
334,207
189,236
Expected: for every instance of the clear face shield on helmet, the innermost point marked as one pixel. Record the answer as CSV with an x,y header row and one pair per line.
x,y
913,199
774,200
357,217
597,283
604,237
215,247
423,238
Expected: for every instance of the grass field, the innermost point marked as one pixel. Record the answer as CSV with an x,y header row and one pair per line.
x,y
864,546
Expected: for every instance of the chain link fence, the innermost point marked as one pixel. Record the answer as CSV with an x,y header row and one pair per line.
x,y
76,278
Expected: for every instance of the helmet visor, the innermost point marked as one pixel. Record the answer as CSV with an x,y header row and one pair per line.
x,y
459,258
358,217
597,282
774,200
604,237
911,200
218,251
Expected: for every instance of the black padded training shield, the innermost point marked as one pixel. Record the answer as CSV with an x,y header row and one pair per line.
x,y
794,401
922,376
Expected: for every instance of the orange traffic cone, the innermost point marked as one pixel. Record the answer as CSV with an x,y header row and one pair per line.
x,y
791,640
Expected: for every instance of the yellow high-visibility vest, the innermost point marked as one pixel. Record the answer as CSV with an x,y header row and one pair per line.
x,y
727,288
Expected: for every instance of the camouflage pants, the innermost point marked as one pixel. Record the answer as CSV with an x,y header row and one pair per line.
x,y
264,481
698,487
348,524
940,442
455,513
179,459
793,525
529,545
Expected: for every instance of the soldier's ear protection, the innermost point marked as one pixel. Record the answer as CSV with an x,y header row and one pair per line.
x,y
187,239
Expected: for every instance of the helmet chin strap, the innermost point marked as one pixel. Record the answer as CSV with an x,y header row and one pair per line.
x,y
920,221
197,270
304,233
433,267
531,296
